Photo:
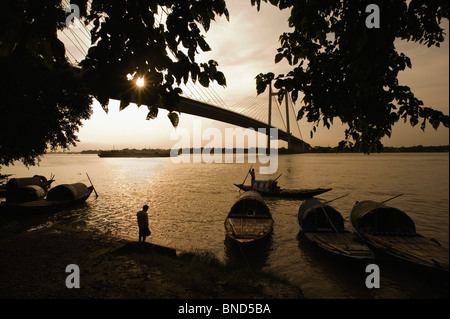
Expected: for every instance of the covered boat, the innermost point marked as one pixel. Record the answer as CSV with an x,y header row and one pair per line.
x,y
16,187
26,193
249,219
324,226
61,196
392,231
69,192
285,193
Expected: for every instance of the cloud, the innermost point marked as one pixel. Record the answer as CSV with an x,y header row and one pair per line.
x,y
246,46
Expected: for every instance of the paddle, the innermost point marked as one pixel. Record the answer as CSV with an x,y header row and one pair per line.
x,y
247,175
391,198
336,198
96,195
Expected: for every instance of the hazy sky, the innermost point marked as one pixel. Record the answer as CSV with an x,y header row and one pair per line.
x,y
246,46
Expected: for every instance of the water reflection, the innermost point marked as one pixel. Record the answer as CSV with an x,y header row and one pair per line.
x,y
251,256
337,272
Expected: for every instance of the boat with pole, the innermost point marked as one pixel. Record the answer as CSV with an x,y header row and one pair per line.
x,y
323,226
391,231
249,219
270,188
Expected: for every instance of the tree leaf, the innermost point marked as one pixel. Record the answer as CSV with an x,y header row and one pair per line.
x,y
279,57
123,105
152,112
174,119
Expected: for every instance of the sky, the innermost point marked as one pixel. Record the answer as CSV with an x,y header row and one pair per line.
x,y
246,46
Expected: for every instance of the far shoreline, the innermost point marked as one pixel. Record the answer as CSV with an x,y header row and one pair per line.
x,y
314,150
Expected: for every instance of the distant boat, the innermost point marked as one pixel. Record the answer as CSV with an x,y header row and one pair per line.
x,y
390,230
270,188
249,219
59,197
324,226
285,193
135,153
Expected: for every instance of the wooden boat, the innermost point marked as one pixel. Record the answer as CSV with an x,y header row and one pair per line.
x,y
285,193
14,187
59,197
390,230
249,219
324,226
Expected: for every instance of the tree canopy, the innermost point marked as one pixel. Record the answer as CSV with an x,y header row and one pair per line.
x,y
349,71
44,98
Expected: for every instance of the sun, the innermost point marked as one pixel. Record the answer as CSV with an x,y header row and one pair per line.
x,y
140,82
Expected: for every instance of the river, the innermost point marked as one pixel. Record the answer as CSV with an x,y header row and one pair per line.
x,y
189,203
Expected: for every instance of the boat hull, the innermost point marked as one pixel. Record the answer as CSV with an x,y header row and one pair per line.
x,y
414,249
341,244
390,231
288,193
323,226
41,206
248,231
249,220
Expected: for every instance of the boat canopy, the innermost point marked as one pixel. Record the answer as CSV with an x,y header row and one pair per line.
x,y
250,204
26,193
15,183
373,217
265,185
313,215
65,192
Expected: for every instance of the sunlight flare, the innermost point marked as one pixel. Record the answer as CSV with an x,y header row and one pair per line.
x,y
140,82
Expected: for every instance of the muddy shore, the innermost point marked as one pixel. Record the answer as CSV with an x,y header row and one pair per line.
x,y
33,265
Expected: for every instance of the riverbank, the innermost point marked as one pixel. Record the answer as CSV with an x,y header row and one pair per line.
x,y
33,265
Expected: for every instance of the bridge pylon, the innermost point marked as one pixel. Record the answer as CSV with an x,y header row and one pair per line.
x,y
294,145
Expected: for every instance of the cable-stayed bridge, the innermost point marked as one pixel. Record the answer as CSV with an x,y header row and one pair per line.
x,y
255,112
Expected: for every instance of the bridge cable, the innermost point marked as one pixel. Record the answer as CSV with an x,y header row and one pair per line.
x,y
295,116
281,116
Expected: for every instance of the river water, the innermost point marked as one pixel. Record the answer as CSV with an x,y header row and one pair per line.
x,y
190,201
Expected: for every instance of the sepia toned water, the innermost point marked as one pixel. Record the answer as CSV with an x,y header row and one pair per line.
x,y
189,203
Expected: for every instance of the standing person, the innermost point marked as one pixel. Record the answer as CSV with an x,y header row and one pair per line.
x,y
252,174
142,219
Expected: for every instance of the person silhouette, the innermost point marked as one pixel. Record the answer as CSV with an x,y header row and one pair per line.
x,y
252,174
142,219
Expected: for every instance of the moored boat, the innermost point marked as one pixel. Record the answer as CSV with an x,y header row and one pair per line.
x,y
249,219
59,197
324,226
392,231
15,187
